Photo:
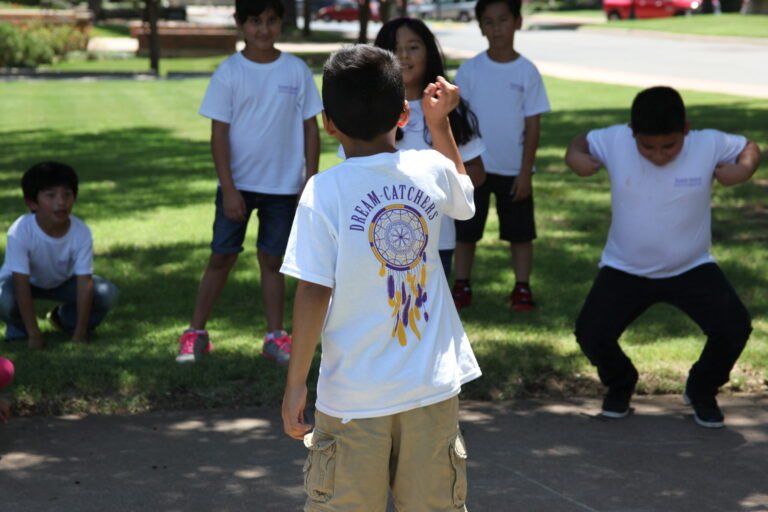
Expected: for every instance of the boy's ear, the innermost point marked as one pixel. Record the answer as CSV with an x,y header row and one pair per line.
x,y
405,115
330,128
32,205
519,23
687,127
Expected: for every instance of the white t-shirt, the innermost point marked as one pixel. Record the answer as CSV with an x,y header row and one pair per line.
x,y
48,261
265,106
392,340
502,95
413,138
661,216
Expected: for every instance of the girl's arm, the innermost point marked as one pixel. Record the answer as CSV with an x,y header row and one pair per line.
x,y
476,171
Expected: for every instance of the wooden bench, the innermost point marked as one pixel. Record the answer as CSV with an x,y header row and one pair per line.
x,y
186,40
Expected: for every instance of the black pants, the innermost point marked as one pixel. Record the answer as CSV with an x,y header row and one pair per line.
x,y
703,293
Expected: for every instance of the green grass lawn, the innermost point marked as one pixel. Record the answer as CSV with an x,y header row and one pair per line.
x,y
735,25
147,192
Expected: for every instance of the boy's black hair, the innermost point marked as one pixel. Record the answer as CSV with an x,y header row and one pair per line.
x,y
246,8
658,111
363,91
463,121
481,5
48,175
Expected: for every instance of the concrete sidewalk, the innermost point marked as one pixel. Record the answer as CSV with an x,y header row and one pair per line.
x,y
541,456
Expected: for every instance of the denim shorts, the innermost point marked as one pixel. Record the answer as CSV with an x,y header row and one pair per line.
x,y
275,213
516,219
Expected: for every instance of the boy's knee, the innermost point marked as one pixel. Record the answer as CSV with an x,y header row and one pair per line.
x,y
270,262
105,293
221,261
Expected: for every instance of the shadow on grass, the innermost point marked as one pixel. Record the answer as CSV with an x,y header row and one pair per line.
x,y
121,171
130,365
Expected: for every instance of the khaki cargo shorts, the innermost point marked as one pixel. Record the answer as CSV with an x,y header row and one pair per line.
x,y
419,455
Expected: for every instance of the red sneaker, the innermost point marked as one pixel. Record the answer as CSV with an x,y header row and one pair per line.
x,y
522,298
193,345
462,294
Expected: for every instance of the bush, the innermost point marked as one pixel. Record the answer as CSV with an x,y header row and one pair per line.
x,y
33,45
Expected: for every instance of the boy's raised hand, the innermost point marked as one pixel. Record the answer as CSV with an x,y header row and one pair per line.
x,y
439,99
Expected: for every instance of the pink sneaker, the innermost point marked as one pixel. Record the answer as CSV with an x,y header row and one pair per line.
x,y
277,347
193,345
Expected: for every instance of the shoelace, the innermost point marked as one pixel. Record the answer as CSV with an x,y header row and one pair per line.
x,y
187,345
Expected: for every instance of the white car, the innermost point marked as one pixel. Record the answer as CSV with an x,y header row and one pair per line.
x,y
443,10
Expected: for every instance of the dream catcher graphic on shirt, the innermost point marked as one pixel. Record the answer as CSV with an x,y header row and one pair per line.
x,y
398,236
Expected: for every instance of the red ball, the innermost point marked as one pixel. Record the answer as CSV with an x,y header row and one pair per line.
x,y
6,372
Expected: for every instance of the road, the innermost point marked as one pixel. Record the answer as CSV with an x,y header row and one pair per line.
x,y
725,66
719,66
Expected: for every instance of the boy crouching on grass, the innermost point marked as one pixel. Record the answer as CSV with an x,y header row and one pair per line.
x,y
364,248
49,256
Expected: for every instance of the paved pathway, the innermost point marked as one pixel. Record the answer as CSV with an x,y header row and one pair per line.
x,y
528,456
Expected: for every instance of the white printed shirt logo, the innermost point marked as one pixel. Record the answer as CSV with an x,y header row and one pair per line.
x,y
398,237
689,182
288,89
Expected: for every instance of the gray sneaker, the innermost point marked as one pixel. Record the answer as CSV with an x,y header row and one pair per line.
x,y
277,348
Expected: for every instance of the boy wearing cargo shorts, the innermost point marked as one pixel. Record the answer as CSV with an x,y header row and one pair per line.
x,y
364,248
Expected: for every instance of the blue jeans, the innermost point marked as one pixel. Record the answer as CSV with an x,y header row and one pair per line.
x,y
104,297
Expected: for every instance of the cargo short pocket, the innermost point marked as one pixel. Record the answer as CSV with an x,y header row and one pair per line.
x,y
320,466
458,454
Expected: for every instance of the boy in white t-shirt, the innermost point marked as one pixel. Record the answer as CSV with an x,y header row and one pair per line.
x,y
506,92
658,247
49,256
265,142
395,354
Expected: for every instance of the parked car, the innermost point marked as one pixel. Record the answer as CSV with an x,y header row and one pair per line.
x,y
346,11
630,9
443,9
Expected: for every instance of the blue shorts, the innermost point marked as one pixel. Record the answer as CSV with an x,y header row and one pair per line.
x,y
275,213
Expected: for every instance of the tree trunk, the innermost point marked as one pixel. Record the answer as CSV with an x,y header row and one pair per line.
x,y
404,9
385,8
365,15
154,43
289,19
95,7
307,15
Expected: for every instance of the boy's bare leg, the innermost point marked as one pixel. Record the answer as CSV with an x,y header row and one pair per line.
x,y
273,289
465,258
522,261
211,286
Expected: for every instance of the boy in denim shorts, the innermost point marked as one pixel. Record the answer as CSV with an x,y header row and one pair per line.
x,y
506,92
395,354
263,105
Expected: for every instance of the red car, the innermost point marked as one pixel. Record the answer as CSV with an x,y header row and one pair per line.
x,y
630,9
345,11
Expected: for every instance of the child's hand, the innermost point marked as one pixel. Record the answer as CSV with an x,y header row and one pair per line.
x,y
234,205
5,410
522,187
35,341
439,99
294,401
